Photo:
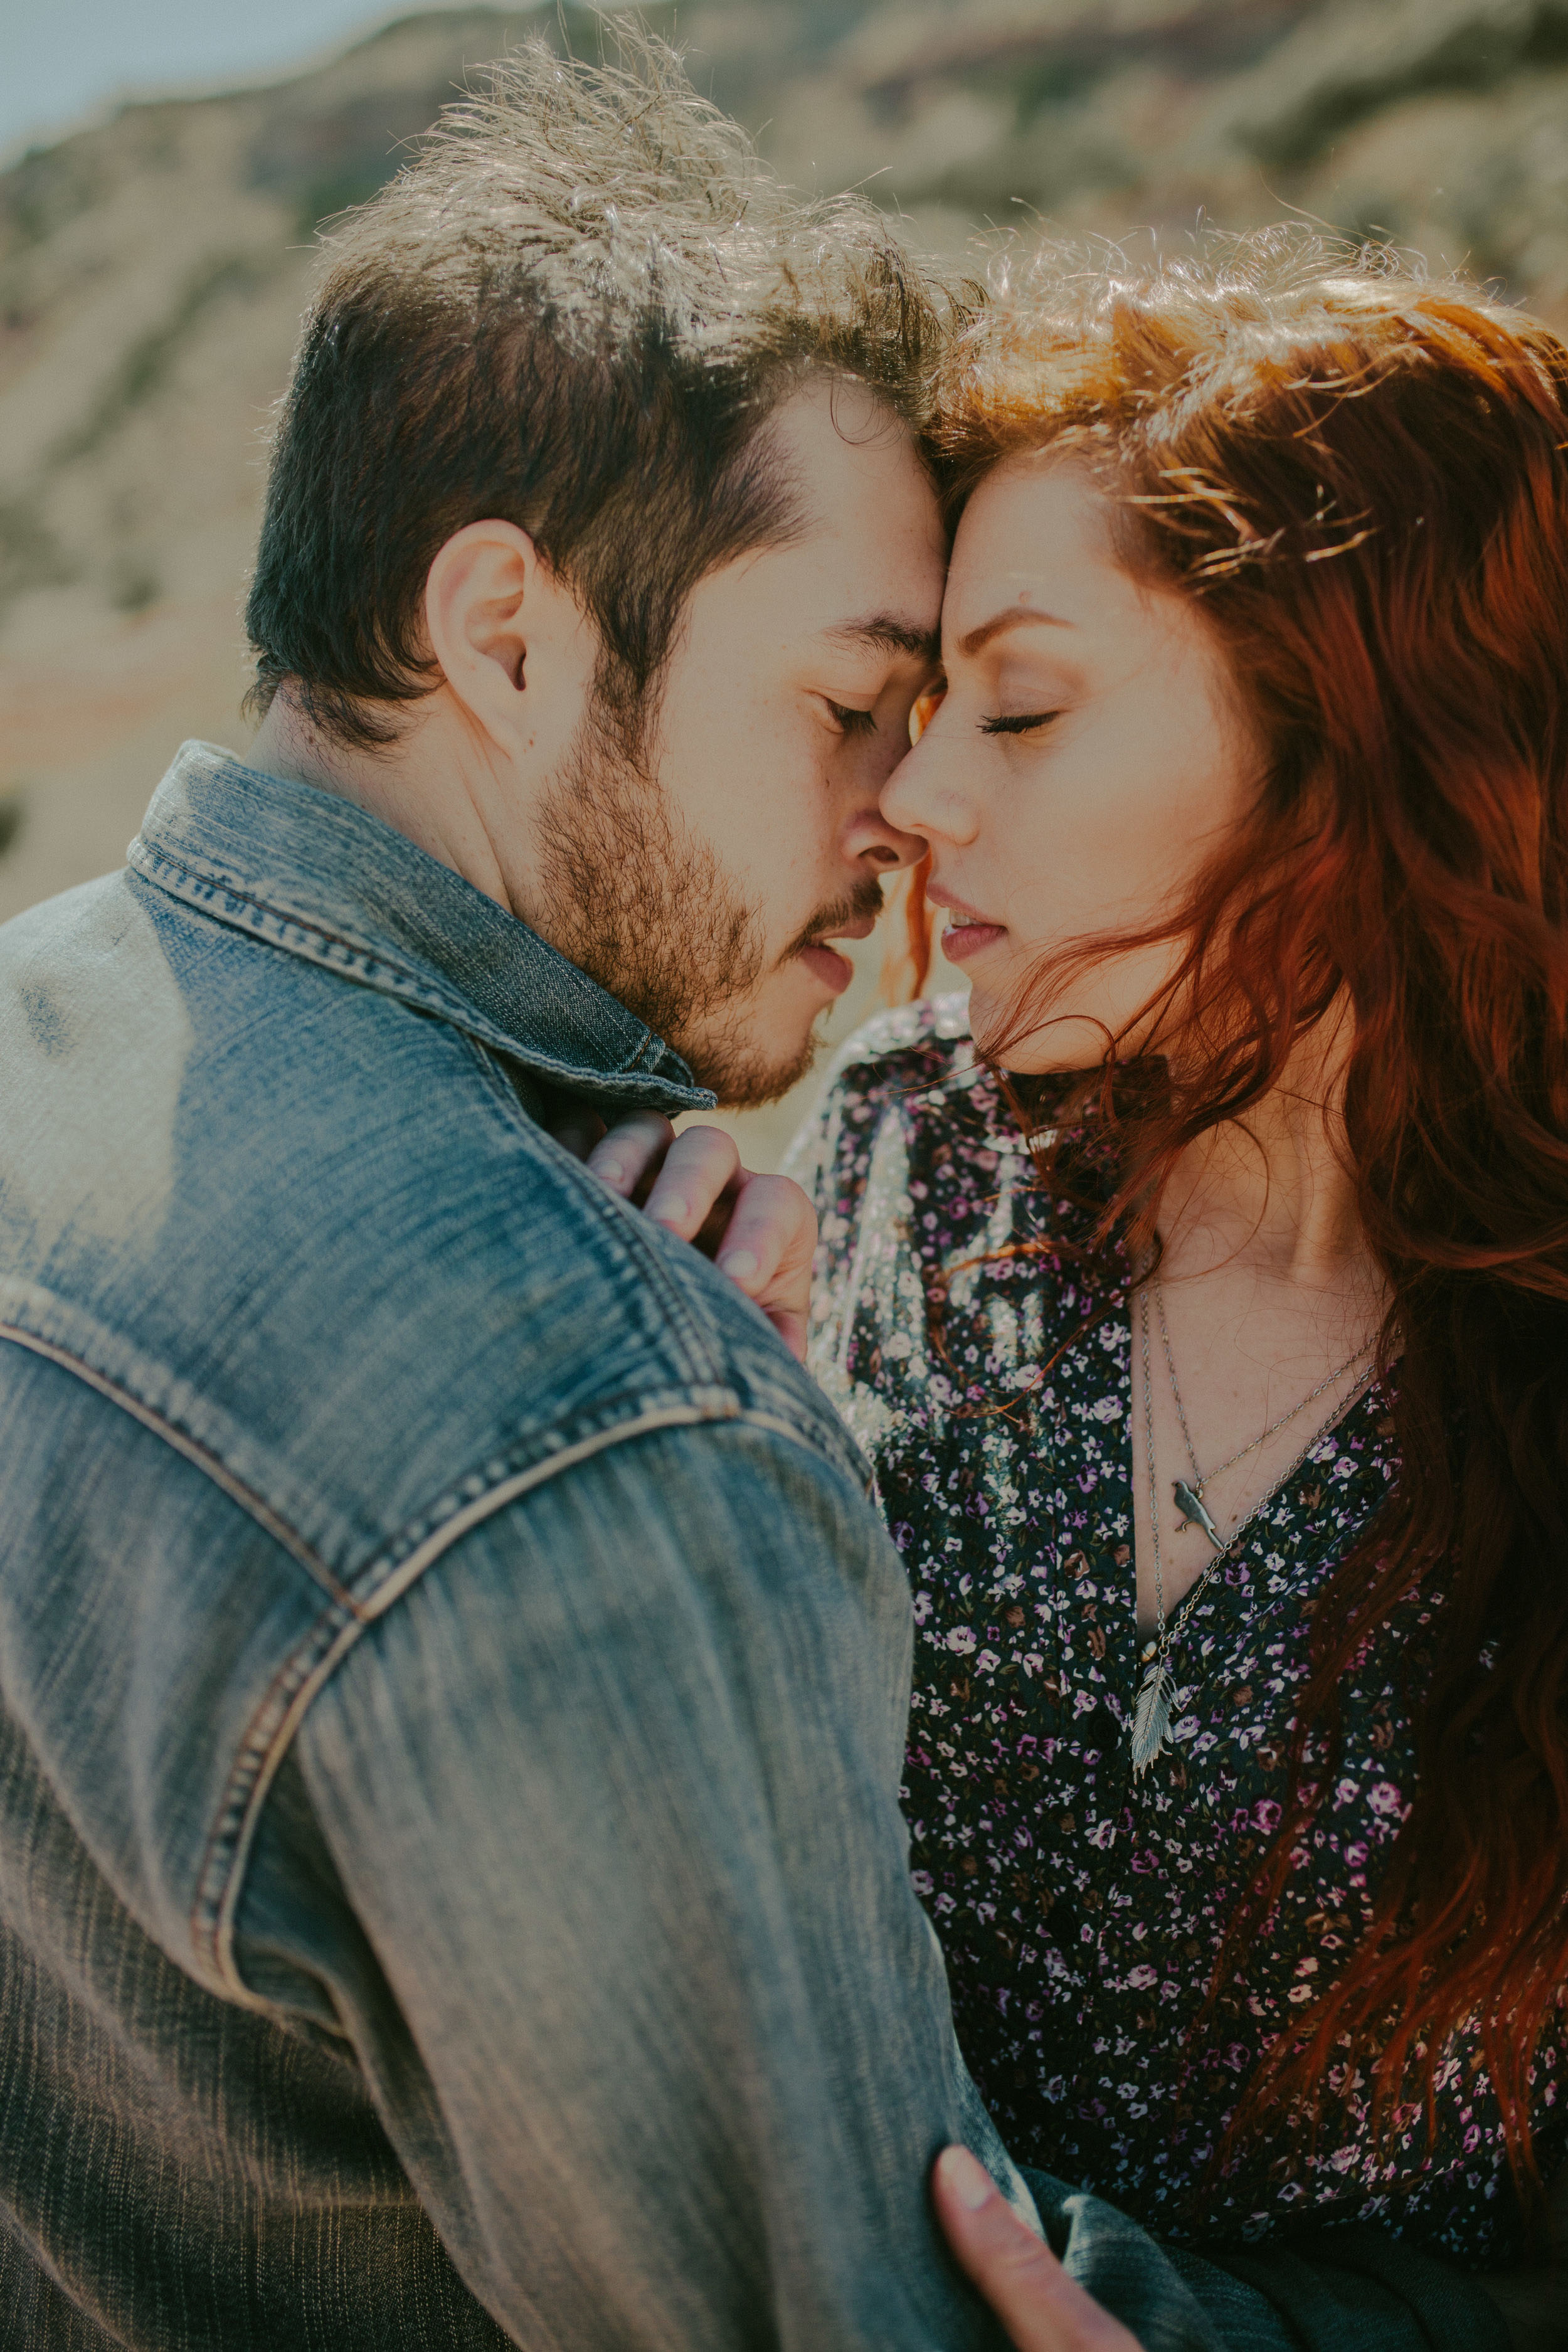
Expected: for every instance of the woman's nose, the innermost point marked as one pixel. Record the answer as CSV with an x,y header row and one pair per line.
x,y
922,797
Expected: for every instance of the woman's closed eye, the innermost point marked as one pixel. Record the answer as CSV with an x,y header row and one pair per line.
x,y
1022,722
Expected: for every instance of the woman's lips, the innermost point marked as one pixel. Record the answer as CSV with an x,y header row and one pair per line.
x,y
968,933
835,971
962,940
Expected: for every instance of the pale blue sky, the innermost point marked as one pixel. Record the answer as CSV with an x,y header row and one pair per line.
x,y
60,60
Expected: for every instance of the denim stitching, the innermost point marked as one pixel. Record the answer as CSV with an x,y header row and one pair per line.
x,y
200,1456
625,1226
158,871
319,1656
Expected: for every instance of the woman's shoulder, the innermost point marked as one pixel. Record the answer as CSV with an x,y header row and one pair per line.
x,y
910,1048
910,1117
898,1056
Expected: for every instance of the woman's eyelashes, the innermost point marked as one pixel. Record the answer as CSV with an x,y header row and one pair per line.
x,y
1022,722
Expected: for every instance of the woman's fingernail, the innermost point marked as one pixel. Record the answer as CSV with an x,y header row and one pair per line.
x,y
672,1211
971,2184
740,1265
612,1171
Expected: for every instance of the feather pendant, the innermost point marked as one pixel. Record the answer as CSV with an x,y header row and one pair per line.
x,y
1151,1721
1190,1503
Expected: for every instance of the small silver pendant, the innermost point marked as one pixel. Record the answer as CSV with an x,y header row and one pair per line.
x,y
1191,1506
1151,1721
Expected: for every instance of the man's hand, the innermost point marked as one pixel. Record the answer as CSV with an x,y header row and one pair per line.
x,y
1042,2309
760,1229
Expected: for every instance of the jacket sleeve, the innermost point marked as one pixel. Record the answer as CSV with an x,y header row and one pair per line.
x,y
590,1851
653,2020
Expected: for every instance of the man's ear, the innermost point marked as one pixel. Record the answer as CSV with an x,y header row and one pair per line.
x,y
516,649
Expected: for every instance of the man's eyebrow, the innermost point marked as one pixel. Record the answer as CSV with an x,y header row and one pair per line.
x,y
891,633
1014,617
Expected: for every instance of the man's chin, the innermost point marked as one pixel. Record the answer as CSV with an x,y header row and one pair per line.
x,y
748,1072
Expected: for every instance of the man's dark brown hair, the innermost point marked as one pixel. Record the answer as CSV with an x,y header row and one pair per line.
x,y
574,311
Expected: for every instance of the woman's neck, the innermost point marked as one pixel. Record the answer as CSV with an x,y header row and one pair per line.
x,y
1273,1195
1269,1299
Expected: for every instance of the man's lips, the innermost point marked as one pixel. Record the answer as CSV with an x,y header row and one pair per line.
x,y
835,971
824,963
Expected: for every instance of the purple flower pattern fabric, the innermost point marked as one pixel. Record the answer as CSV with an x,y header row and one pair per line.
x,y
990,1381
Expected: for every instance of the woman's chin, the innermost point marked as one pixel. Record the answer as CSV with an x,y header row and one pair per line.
x,y
1066,1044
1025,1058
993,1025
984,1026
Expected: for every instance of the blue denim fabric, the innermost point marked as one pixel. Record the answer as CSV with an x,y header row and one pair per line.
x,y
451,1678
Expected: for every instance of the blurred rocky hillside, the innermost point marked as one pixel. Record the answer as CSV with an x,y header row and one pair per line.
x,y
152,269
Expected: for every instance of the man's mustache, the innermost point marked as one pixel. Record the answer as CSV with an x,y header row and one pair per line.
x,y
865,901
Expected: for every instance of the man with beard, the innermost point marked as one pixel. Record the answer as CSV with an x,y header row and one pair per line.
x,y
451,1678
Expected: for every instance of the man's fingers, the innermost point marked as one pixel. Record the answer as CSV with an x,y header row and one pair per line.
x,y
577,1126
1042,2309
631,1151
774,1228
699,1168
792,1324
760,1229
768,1252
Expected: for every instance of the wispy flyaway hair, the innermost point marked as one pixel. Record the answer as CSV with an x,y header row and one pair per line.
x,y
574,311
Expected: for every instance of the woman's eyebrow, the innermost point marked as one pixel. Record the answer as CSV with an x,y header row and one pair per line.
x,y
1016,617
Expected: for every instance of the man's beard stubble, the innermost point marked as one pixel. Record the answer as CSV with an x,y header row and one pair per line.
x,y
656,920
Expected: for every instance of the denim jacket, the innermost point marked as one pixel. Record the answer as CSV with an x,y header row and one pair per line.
x,y
451,1678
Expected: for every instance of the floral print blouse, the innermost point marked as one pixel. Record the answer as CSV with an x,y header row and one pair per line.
x,y
1083,1913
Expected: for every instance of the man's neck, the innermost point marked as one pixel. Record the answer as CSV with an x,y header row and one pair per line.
x,y
420,785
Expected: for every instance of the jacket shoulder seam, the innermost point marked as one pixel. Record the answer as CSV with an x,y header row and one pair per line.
x,y
277,1720
396,1566
191,1449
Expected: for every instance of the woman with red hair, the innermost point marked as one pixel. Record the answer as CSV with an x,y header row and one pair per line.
x,y
1200,1290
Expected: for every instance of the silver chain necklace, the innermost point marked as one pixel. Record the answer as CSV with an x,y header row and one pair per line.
x,y
1152,1710
1189,1497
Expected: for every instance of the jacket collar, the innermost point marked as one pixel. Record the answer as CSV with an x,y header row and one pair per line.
x,y
323,879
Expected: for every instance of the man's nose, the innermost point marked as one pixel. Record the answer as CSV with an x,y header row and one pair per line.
x,y
878,844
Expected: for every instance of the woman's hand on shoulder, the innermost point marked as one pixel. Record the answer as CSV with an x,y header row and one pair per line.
x,y
759,1229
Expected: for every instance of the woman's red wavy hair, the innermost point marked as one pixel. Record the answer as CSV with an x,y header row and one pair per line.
x,y
1362,477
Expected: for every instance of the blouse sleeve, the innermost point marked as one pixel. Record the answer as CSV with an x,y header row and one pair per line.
x,y
830,1159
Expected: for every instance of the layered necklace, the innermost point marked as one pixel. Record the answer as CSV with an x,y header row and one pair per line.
x,y
1152,1713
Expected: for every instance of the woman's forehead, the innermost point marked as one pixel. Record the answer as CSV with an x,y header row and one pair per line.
x,y
1035,537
